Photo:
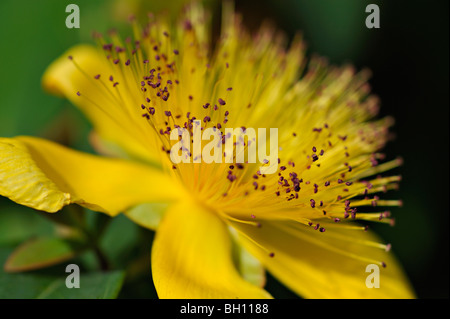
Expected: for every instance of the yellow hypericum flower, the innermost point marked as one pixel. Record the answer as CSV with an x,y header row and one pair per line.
x,y
223,220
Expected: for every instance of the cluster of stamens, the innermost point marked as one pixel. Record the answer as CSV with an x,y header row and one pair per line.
x,y
316,172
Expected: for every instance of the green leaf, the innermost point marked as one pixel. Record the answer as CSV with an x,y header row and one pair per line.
x,y
92,286
119,241
71,216
20,223
41,252
39,286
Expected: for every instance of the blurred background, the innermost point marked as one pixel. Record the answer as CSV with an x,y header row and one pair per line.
x,y
408,56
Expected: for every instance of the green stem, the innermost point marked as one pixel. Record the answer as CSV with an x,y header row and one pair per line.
x,y
103,261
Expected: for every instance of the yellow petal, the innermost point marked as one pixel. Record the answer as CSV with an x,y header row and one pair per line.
x,y
46,176
331,264
191,257
248,266
66,77
147,215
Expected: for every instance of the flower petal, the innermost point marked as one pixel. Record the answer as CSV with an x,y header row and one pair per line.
x,y
331,264
191,257
46,176
147,215
75,80
248,266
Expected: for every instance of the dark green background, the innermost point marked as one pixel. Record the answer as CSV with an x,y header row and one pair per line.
x,y
408,56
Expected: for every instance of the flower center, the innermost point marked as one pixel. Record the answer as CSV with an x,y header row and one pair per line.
x,y
327,168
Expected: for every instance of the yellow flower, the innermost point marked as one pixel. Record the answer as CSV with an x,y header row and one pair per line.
x,y
224,221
